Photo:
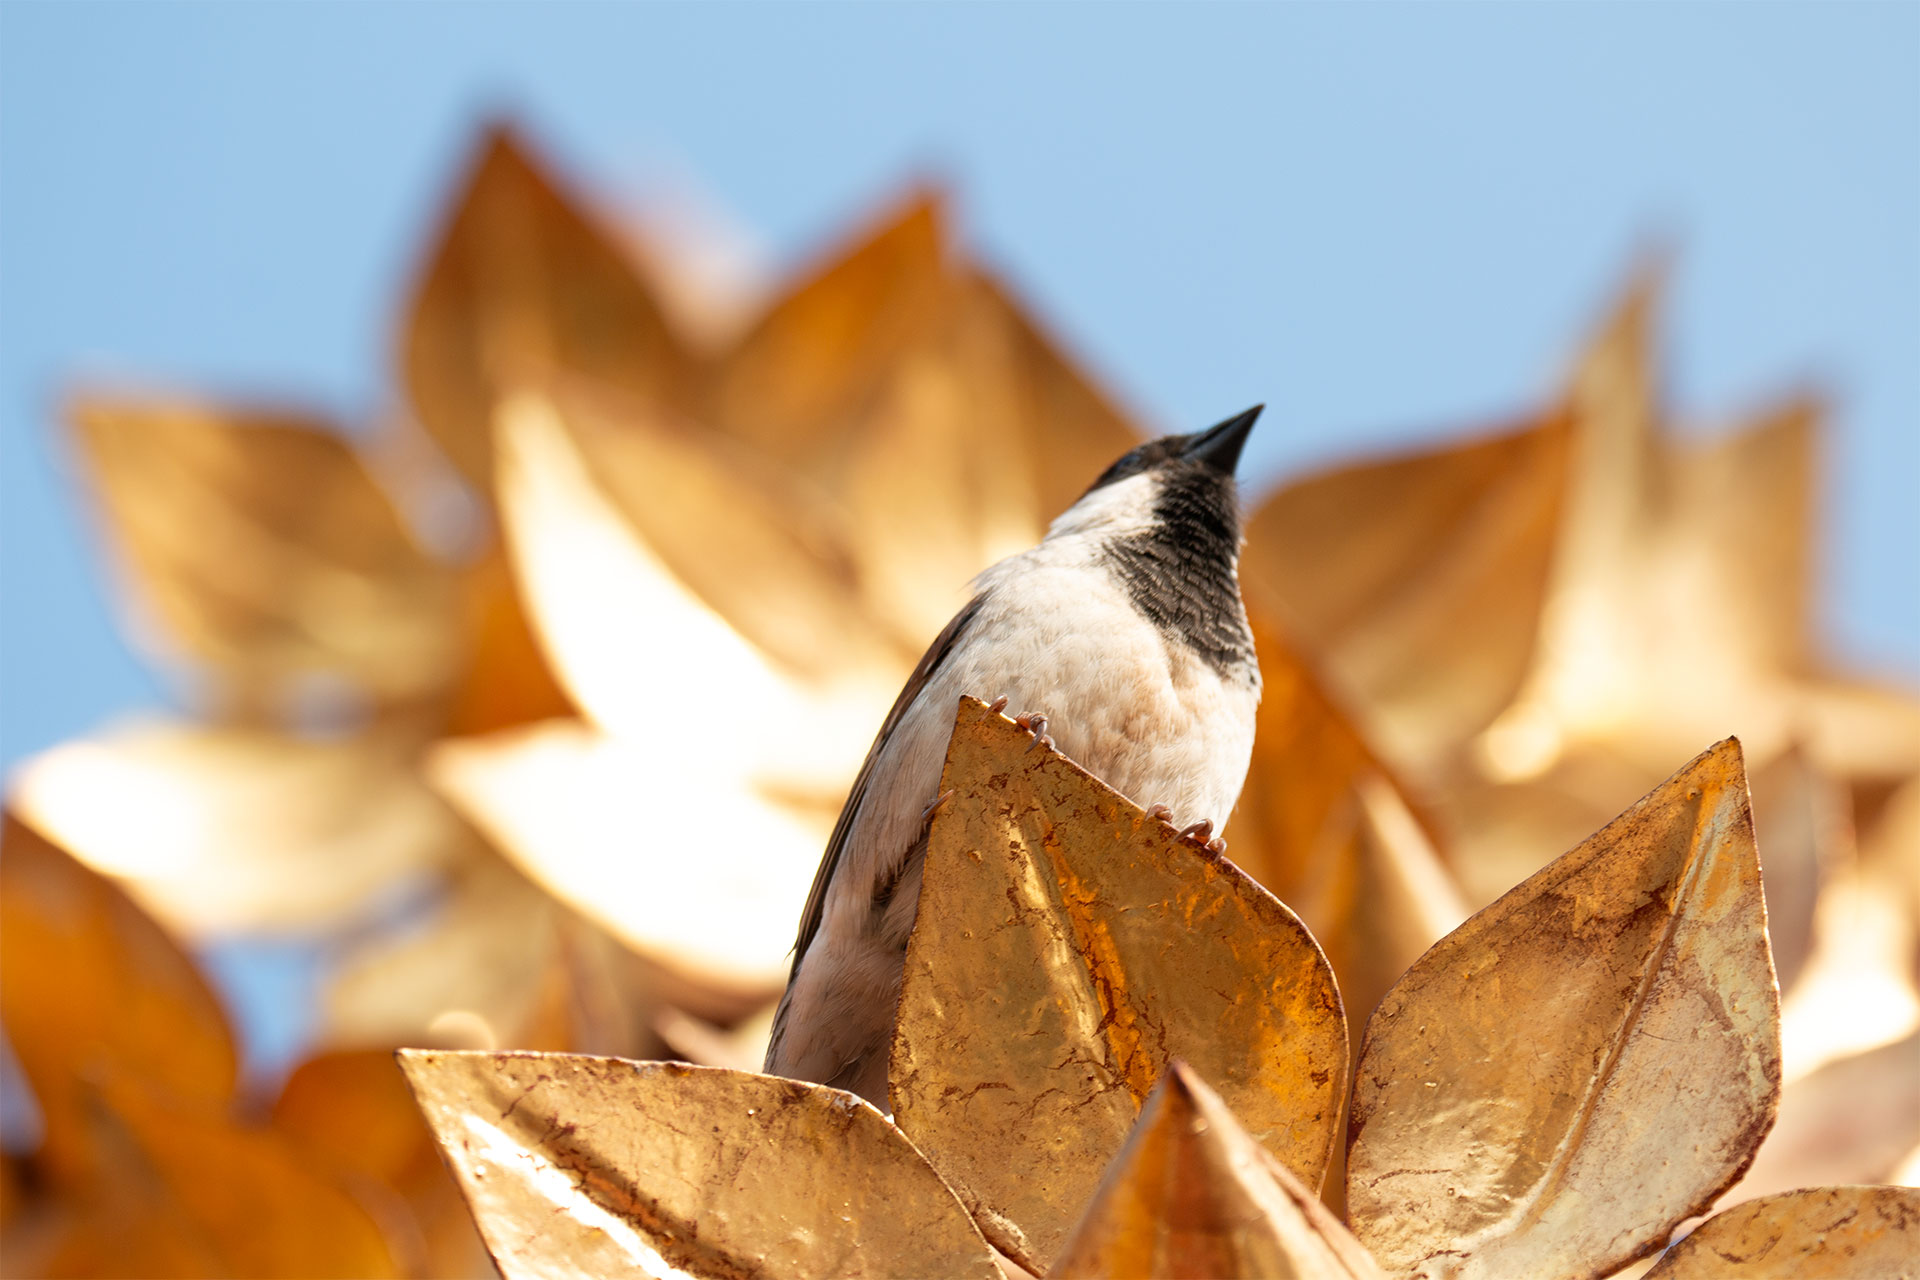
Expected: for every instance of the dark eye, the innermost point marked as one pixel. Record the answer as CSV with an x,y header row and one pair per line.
x,y
1132,462
1137,459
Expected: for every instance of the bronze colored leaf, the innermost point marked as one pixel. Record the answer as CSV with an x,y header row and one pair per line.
x,y
245,1196
1800,822
471,973
756,548
262,546
1585,1063
520,282
89,981
1324,826
1067,947
1192,1196
230,830
940,482
1820,1233
1420,578
604,1167
1854,1119
508,680
1068,427
791,386
612,617
352,1112
580,814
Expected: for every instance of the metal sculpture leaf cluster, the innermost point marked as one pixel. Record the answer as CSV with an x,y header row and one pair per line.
x,y
528,709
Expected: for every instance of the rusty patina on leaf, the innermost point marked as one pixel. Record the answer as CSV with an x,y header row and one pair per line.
x,y
1192,1195
1067,948
599,1166
1820,1233
1583,1064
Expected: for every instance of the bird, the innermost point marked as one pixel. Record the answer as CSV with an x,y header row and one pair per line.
x,y
1123,638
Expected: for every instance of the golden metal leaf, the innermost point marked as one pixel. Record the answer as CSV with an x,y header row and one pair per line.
x,y
263,547
1192,1197
613,617
604,1167
1323,825
1854,1119
1820,1233
88,981
522,282
508,680
246,1196
1066,425
231,830
1067,947
764,553
792,385
1420,578
474,974
1583,1064
352,1112
580,814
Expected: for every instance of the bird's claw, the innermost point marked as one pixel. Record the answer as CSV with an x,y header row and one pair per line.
x,y
999,704
1037,726
939,802
1201,833
1162,813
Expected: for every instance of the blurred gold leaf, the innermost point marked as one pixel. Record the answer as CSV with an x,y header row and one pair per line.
x,y
1541,1061
1800,816
265,550
352,1112
88,981
473,973
508,680
1420,579
522,280
1067,947
792,383
1192,1196
1854,1119
563,801
604,1167
242,1198
635,648
759,550
1820,1233
225,830
1324,826
1530,625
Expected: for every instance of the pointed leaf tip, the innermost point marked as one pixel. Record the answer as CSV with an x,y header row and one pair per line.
x,y
1067,947
1191,1194
1585,1063
576,1165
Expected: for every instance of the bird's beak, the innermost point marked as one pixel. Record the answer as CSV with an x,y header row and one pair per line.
x,y
1219,445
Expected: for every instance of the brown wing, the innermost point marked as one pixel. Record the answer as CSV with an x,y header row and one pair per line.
x,y
929,663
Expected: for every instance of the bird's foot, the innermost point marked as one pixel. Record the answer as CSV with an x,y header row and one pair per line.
x,y
999,704
1199,833
1036,725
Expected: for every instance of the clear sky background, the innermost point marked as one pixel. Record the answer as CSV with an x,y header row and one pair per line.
x,y
1387,222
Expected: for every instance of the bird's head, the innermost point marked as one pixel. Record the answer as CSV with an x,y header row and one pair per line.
x,y
1166,485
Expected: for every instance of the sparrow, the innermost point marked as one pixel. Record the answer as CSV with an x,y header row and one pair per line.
x,y
1124,634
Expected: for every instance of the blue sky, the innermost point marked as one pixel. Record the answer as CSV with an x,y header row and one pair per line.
x,y
1384,221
